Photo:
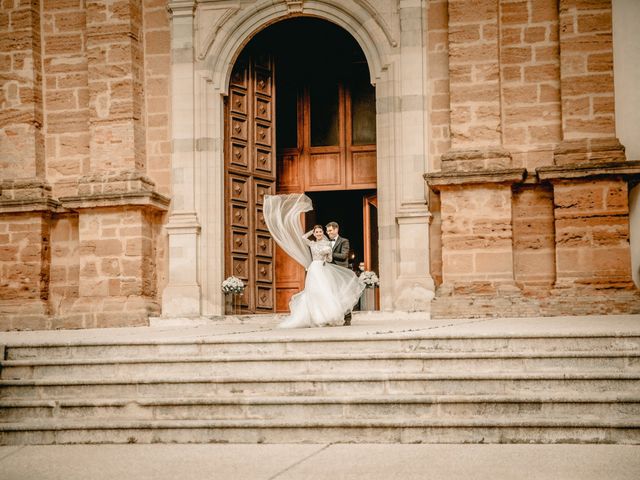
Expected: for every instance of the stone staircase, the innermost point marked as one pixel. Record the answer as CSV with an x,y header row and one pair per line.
x,y
345,386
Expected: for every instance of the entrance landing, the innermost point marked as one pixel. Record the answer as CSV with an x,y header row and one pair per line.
x,y
372,325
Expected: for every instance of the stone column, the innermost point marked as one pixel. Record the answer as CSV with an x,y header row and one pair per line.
x,y
181,297
413,285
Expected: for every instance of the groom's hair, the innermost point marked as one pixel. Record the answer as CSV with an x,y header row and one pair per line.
x,y
333,225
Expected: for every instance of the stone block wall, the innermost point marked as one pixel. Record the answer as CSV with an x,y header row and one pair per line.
x,y
531,123
84,132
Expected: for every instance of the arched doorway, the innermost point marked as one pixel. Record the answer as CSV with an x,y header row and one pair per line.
x,y
300,116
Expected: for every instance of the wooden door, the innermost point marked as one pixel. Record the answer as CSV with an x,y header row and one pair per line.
x,y
370,232
250,174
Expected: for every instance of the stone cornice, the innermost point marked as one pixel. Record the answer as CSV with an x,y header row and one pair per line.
x,y
183,223
437,180
9,206
147,199
629,169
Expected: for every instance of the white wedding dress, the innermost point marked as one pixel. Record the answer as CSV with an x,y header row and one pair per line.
x,y
330,291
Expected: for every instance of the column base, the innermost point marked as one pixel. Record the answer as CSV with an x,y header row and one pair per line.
x,y
414,295
181,301
106,312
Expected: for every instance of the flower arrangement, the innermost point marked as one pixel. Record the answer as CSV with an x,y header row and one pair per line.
x,y
369,279
233,285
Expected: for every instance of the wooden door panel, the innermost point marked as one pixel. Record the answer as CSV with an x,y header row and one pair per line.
x,y
264,245
239,155
289,177
263,134
260,223
264,297
362,170
262,188
240,73
238,189
240,242
283,296
264,161
264,270
241,267
324,171
239,128
263,81
263,109
238,101
239,216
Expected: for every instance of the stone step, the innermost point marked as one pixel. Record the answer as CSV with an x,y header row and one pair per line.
x,y
595,406
489,429
366,383
298,364
356,343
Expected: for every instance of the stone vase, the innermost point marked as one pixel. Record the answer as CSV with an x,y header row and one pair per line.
x,y
368,299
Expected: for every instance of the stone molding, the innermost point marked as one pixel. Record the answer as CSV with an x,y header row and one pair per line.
x,y
438,180
475,160
27,195
115,189
627,169
151,200
588,149
182,223
181,8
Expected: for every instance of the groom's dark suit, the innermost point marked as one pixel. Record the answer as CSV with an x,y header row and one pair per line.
x,y
340,252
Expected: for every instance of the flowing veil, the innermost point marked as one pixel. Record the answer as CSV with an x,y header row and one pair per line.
x,y
282,216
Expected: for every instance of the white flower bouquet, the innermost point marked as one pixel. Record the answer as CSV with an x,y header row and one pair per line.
x,y
233,285
369,279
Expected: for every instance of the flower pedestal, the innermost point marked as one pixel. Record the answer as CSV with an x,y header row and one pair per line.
x,y
368,299
232,303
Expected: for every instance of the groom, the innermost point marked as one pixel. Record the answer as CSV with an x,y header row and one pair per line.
x,y
340,253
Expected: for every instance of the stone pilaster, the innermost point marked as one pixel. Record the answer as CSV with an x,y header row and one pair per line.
x,y
592,224
21,139
477,231
590,178
26,207
181,297
114,48
413,285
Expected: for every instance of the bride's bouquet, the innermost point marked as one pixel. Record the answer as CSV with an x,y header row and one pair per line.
x,y
369,279
233,285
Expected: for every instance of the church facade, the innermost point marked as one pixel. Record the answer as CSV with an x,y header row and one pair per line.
x,y
473,151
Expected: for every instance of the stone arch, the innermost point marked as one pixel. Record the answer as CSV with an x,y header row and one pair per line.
x,y
201,73
221,49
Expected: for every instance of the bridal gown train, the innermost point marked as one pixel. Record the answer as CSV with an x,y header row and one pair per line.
x,y
330,291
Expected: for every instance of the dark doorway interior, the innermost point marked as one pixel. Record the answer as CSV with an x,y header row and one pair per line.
x,y
344,207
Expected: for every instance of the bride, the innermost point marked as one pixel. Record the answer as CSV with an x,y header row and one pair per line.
x,y
330,291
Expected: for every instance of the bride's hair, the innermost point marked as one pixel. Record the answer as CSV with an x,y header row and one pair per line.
x,y
314,229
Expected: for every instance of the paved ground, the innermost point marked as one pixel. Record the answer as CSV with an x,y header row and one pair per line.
x,y
311,462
